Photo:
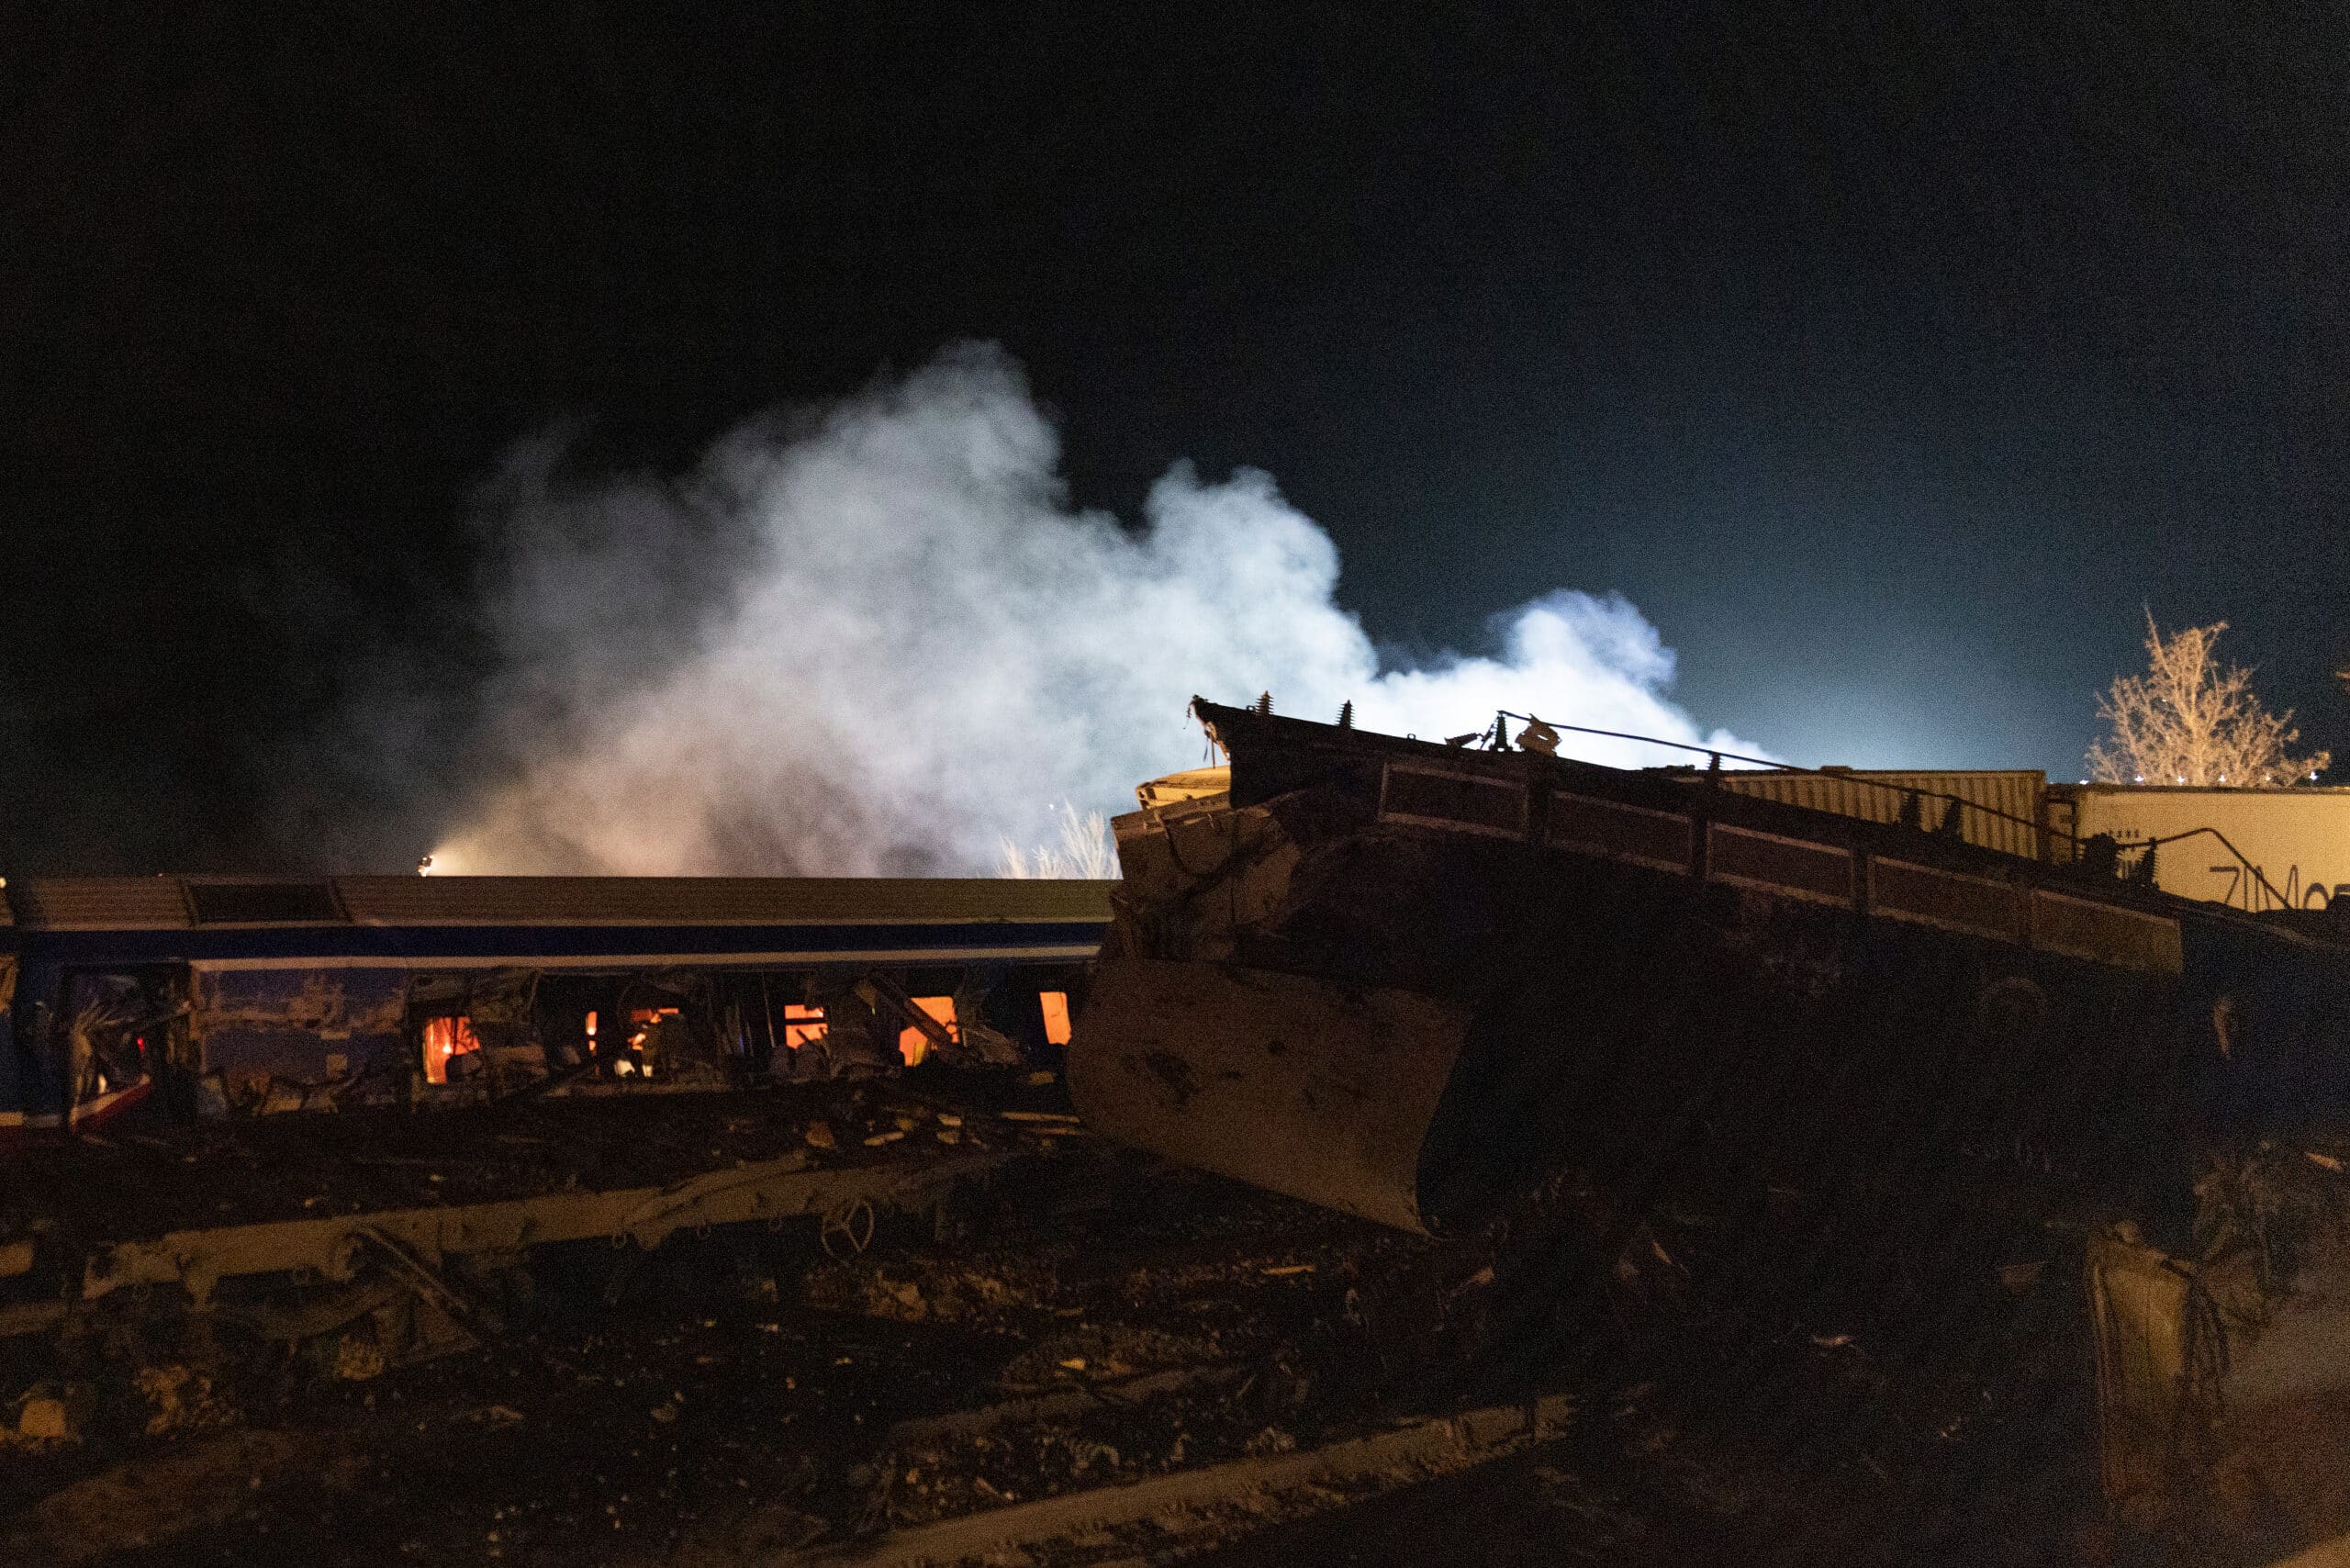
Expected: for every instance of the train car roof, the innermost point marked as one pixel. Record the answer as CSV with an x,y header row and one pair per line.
x,y
165,903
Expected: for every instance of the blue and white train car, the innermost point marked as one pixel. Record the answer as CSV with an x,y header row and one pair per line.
x,y
228,995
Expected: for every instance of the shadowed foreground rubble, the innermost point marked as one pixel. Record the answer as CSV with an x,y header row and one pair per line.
x,y
1774,1373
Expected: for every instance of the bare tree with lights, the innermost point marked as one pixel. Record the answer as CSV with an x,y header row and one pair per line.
x,y
2189,719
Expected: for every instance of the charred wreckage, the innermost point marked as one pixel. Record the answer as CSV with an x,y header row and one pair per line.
x,y
1426,1107
390,1022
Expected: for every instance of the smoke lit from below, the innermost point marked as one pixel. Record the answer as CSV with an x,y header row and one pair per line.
x,y
878,639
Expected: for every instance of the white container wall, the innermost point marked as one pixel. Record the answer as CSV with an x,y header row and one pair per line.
x,y
2299,839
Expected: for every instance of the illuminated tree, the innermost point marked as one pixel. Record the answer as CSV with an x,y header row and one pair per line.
x,y
2189,721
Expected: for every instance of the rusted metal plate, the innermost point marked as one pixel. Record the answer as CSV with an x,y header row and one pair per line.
x,y
1928,895
1773,863
1617,832
2104,933
2138,1311
1459,801
1289,1083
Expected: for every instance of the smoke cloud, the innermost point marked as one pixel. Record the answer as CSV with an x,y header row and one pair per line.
x,y
878,639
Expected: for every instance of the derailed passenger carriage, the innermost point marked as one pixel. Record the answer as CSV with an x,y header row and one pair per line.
x,y
603,1060
229,996
1403,980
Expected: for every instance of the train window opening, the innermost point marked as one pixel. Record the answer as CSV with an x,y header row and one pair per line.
x,y
1056,1006
107,1015
447,1037
913,1043
802,1024
645,1042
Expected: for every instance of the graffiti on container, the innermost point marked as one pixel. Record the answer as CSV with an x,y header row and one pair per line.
x,y
2253,889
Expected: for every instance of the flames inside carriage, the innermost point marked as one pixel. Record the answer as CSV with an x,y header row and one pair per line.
x,y
223,998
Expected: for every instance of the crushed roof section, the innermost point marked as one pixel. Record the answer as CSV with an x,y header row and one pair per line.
x,y
99,904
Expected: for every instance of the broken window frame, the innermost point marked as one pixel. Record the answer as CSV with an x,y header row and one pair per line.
x,y
460,1029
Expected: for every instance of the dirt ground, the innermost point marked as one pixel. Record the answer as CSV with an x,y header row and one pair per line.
x,y
1092,1319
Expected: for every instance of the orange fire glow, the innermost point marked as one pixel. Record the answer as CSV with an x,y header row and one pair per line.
x,y
1055,1005
802,1024
445,1037
913,1043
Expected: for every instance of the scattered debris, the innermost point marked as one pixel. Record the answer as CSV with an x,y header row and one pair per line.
x,y
1174,1504
186,1487
183,1400
898,1355
47,1418
493,1417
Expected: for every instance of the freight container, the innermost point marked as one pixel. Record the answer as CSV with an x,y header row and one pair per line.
x,y
2256,849
2008,817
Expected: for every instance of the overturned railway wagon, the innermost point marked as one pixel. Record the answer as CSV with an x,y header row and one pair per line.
x,y
1403,980
210,997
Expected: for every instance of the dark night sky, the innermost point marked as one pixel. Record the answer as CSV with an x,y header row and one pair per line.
x,y
1889,364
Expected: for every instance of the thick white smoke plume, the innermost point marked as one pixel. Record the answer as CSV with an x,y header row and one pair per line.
x,y
882,641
